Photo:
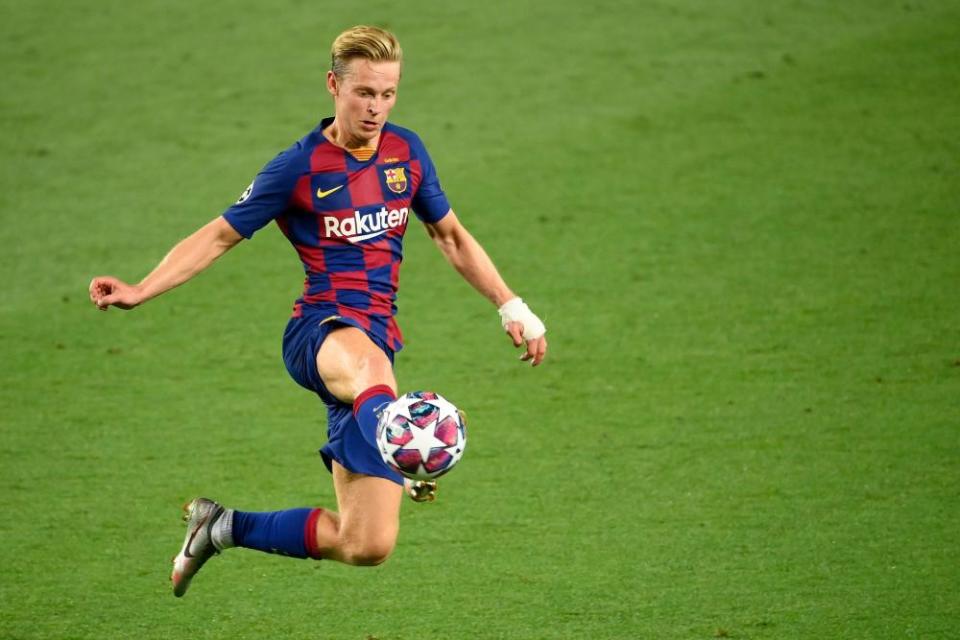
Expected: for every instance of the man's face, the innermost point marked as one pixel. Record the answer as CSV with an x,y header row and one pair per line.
x,y
363,98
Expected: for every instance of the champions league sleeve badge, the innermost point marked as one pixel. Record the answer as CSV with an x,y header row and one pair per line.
x,y
246,193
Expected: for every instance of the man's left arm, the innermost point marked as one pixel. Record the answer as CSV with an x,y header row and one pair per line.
x,y
469,259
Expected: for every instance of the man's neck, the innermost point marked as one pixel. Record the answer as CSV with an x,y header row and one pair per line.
x,y
334,134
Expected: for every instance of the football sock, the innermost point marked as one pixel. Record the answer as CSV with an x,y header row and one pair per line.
x,y
366,407
289,533
221,531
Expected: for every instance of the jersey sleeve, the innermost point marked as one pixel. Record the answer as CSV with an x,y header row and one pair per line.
x,y
429,202
267,196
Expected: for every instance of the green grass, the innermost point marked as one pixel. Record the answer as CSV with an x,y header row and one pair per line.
x,y
739,221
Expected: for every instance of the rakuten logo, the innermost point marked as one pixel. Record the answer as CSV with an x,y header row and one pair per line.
x,y
364,226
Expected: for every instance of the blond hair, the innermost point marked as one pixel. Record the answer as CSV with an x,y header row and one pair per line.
x,y
368,43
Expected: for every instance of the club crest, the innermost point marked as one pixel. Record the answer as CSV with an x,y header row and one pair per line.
x,y
396,179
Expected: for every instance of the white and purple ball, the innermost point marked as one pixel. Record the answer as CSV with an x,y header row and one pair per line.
x,y
421,435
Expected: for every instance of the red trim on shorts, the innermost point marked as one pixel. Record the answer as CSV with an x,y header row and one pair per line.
x,y
376,390
310,534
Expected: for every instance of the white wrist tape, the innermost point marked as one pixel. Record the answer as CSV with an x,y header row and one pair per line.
x,y
516,310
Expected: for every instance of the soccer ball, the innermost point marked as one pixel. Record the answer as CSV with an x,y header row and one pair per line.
x,y
421,435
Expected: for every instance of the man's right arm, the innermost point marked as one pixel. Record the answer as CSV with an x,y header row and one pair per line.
x,y
189,257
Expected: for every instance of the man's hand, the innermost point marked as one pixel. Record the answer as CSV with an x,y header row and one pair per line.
x,y
107,291
536,348
523,326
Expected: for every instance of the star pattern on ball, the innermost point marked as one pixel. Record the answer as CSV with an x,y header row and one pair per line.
x,y
424,441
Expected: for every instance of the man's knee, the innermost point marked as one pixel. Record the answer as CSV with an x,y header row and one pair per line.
x,y
369,552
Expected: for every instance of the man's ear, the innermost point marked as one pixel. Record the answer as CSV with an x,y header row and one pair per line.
x,y
333,87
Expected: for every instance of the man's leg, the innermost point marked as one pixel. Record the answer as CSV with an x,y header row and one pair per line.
x,y
364,532
354,368
357,372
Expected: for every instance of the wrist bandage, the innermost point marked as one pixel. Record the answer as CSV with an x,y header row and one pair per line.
x,y
516,310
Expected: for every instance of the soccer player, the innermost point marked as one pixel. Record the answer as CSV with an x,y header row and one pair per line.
x,y
342,195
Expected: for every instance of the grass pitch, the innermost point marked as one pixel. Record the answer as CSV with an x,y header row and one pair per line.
x,y
739,221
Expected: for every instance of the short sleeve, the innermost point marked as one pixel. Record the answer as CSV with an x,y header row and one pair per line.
x,y
429,202
267,196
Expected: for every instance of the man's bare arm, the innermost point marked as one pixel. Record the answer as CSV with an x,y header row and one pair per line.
x,y
189,257
471,261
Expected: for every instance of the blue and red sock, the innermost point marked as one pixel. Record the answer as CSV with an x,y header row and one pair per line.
x,y
365,409
290,533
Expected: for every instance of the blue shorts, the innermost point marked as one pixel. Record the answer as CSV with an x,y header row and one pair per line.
x,y
345,442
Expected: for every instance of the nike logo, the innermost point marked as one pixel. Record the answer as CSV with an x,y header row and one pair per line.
x,y
196,530
323,194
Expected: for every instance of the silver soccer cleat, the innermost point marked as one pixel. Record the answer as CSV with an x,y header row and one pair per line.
x,y
200,514
420,490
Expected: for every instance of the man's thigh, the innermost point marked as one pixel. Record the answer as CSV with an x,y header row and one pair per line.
x,y
349,362
369,507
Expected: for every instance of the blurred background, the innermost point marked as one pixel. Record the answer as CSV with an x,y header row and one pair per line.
x,y
738,220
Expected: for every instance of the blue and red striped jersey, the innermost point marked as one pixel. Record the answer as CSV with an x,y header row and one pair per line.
x,y
346,219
